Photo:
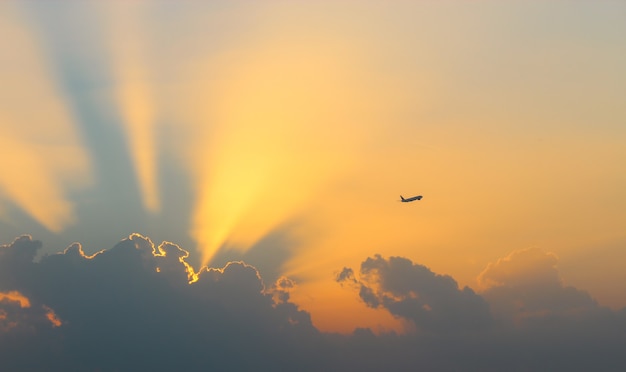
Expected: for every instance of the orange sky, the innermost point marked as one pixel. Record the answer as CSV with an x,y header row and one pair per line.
x,y
237,120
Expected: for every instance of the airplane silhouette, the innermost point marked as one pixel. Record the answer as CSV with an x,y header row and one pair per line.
x,y
410,199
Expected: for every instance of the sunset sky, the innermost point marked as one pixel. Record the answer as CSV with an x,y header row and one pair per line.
x,y
281,134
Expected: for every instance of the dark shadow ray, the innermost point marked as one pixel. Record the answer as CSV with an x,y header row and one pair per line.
x,y
80,66
75,49
268,255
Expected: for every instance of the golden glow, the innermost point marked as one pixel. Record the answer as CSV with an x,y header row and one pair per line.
x,y
134,97
521,267
161,251
15,296
337,309
138,118
24,303
41,152
52,317
28,182
325,113
286,122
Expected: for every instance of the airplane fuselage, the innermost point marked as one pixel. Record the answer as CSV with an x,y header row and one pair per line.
x,y
402,199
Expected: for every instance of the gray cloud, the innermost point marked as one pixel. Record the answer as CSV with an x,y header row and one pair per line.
x,y
526,319
432,302
527,284
132,307
346,275
562,327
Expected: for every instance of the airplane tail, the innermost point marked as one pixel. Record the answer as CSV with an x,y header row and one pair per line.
x,y
401,197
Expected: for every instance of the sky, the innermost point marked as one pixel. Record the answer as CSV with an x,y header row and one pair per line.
x,y
219,179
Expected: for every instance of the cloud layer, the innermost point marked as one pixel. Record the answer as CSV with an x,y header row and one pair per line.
x,y
432,302
132,307
139,306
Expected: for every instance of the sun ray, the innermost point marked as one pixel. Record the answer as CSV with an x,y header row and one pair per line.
x,y
42,155
135,101
276,141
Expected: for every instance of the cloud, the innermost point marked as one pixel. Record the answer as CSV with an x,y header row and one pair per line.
x,y
432,302
346,276
12,314
526,283
525,319
560,326
527,267
27,328
132,306
142,306
268,255
15,296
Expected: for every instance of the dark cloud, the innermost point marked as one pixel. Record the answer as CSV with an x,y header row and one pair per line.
x,y
132,308
562,327
346,275
281,289
433,302
526,319
138,306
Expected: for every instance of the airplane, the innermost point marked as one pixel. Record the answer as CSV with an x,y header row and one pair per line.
x,y
410,199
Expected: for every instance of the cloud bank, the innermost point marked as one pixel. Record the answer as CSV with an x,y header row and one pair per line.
x,y
132,308
139,306
432,302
